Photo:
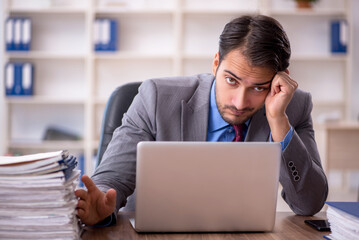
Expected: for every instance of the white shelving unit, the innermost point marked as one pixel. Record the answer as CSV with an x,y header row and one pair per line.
x,y
156,38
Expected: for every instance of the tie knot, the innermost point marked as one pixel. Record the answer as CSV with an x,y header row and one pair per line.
x,y
239,133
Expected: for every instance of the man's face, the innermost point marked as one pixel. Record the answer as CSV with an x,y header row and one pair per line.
x,y
240,88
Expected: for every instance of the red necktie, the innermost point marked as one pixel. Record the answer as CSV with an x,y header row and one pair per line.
x,y
239,133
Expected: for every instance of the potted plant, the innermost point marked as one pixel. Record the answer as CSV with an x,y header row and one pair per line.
x,y
305,3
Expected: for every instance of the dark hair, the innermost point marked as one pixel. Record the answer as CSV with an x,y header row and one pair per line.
x,y
261,39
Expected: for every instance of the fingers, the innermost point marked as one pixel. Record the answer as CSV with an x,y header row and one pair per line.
x,y
82,209
81,193
110,198
90,185
81,204
81,213
282,82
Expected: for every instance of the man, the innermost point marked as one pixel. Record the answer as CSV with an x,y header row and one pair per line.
x,y
250,90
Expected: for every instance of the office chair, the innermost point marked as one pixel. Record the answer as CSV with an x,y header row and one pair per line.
x,y
118,103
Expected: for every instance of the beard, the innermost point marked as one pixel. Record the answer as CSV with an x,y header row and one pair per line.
x,y
235,120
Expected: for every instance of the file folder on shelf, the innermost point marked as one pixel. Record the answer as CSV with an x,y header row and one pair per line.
x,y
9,34
339,36
19,79
26,35
105,34
9,79
18,34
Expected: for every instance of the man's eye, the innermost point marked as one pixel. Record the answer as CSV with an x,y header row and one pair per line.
x,y
259,89
230,80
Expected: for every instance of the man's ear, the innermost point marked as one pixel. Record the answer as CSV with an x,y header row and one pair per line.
x,y
215,64
286,71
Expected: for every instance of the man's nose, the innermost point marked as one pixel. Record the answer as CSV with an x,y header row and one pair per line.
x,y
241,99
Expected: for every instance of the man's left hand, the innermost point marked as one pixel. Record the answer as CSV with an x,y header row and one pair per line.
x,y
278,98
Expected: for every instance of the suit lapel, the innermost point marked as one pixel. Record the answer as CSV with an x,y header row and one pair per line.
x,y
258,130
194,117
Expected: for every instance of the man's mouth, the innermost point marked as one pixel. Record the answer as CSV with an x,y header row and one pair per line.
x,y
240,112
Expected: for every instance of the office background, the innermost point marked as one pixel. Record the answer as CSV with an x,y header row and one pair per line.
x,y
73,77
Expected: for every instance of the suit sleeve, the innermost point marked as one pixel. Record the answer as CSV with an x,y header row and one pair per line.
x,y
305,186
118,167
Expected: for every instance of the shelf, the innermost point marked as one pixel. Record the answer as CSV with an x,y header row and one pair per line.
x,y
47,145
36,100
328,57
333,57
44,55
340,125
198,56
329,103
114,10
130,55
307,12
219,12
50,10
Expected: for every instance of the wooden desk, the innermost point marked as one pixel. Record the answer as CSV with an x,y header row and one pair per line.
x,y
287,226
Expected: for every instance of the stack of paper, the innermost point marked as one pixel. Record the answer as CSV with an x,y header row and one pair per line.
x,y
37,199
343,218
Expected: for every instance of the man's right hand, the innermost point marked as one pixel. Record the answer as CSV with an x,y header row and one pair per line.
x,y
94,205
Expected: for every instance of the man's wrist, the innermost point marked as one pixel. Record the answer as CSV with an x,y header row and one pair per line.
x,y
108,221
279,127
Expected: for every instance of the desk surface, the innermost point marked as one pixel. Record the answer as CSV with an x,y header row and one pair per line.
x,y
287,226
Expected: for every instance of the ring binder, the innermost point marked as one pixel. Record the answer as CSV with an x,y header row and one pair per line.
x,y
18,34
19,79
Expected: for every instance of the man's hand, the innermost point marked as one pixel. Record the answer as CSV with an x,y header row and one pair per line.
x,y
278,98
94,205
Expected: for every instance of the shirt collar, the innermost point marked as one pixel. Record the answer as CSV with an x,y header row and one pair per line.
x,y
215,120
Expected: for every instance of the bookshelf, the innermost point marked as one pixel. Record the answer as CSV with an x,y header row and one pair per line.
x,y
156,38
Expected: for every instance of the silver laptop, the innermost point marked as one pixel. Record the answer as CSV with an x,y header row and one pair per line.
x,y
206,186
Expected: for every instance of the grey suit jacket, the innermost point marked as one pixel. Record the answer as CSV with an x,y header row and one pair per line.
x,y
176,109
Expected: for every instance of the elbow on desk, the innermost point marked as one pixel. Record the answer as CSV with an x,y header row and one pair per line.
x,y
308,205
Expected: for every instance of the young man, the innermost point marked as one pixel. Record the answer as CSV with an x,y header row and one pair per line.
x,y
250,92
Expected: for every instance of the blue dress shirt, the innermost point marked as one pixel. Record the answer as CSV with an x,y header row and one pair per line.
x,y
221,131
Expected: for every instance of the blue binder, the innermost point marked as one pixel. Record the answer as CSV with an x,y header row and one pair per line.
x,y
25,34
9,34
9,78
351,208
19,79
27,80
105,34
81,167
339,36
18,34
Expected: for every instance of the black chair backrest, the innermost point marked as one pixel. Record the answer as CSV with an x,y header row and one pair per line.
x,y
118,103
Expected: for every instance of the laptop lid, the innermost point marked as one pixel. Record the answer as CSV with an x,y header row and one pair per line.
x,y
206,186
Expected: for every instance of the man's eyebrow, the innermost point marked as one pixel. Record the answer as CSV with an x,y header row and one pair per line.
x,y
255,84
234,75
